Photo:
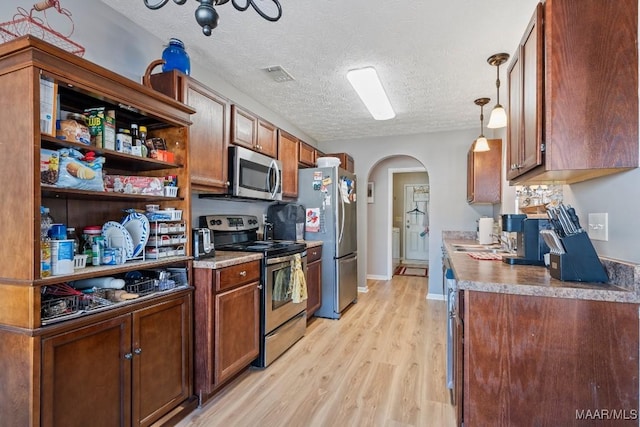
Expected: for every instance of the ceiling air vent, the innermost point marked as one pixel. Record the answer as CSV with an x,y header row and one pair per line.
x,y
279,74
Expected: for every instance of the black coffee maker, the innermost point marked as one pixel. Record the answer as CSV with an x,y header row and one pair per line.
x,y
287,221
531,247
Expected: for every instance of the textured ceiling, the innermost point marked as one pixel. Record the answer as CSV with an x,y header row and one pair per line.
x,y
430,55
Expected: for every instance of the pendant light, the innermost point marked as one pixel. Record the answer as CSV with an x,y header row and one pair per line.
x,y
481,143
498,117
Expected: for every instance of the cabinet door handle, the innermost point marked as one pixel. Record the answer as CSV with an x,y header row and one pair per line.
x,y
128,356
227,183
243,273
259,286
137,350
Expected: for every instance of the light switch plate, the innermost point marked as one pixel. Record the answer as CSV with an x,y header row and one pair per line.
x,y
598,226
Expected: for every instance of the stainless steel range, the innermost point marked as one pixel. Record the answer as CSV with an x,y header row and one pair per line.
x,y
283,322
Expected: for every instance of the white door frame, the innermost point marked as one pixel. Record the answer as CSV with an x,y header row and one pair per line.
x,y
389,233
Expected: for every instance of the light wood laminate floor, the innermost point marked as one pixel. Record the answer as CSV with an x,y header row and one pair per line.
x,y
381,364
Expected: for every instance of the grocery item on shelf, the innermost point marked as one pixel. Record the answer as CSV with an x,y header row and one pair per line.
x,y
80,171
102,127
145,185
49,162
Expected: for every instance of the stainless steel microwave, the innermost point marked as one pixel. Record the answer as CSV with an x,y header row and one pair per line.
x,y
254,175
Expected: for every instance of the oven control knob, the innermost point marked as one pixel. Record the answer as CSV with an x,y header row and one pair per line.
x,y
217,221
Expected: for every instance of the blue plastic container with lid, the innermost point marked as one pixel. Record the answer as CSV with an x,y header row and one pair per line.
x,y
176,57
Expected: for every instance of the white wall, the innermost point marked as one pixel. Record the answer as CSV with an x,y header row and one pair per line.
x,y
444,157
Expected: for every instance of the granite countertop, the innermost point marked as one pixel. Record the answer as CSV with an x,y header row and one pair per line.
x,y
226,259
499,277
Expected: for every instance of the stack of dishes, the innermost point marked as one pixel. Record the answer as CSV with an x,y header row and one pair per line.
x,y
131,234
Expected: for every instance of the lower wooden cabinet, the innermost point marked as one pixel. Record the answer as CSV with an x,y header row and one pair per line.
x,y
227,324
314,280
549,361
130,370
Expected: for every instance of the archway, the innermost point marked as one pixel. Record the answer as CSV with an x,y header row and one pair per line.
x,y
380,212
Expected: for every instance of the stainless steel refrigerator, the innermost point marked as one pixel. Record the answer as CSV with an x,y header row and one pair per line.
x,y
329,198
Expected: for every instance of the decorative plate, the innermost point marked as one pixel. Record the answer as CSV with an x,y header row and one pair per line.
x,y
116,236
137,225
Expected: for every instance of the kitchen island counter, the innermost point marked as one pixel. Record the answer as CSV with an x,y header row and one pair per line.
x,y
499,277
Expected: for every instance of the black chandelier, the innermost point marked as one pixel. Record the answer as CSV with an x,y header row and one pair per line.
x,y
207,16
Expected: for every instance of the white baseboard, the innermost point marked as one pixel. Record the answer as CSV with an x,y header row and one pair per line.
x,y
363,290
437,297
377,277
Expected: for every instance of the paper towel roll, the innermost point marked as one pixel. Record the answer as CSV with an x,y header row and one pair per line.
x,y
485,231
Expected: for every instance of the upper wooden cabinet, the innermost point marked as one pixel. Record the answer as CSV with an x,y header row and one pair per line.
x,y
573,89
250,131
288,155
346,161
307,154
267,138
483,174
209,131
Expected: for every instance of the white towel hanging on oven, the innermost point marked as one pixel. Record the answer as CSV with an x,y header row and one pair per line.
x,y
298,281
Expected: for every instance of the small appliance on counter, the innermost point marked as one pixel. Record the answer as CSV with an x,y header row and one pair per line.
x,y
202,243
287,220
485,231
531,246
572,255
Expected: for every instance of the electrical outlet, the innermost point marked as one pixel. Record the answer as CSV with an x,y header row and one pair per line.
x,y
264,218
599,226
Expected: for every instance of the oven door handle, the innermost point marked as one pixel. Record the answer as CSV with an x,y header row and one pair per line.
x,y
285,258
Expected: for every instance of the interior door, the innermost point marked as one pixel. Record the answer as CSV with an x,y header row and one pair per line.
x,y
416,219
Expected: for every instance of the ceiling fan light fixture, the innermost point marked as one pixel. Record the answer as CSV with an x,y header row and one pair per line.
x,y
481,143
498,118
367,85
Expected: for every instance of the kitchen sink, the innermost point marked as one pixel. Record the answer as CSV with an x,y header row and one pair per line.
x,y
496,249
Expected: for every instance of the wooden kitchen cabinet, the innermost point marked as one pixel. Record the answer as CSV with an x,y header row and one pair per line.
x,y
573,83
484,174
54,340
566,355
288,155
346,161
129,370
307,155
267,138
227,313
209,131
314,280
250,131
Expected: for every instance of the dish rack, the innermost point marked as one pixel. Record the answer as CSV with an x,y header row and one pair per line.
x,y
26,23
168,237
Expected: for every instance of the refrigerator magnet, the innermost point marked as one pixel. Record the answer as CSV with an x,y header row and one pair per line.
x,y
312,223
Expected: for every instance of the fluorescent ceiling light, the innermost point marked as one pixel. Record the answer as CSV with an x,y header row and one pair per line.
x,y
367,84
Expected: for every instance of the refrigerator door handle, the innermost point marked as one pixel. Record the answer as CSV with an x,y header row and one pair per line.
x,y
343,212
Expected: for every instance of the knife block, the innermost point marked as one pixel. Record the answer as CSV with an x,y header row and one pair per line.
x,y
579,263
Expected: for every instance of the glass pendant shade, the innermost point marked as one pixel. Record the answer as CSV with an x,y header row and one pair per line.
x,y
481,145
498,118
